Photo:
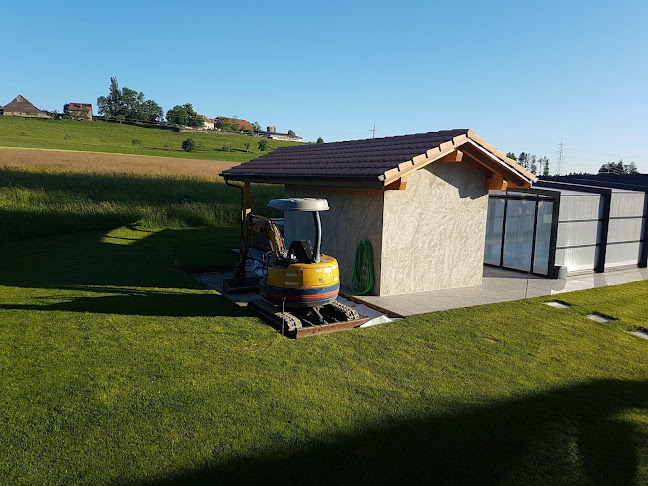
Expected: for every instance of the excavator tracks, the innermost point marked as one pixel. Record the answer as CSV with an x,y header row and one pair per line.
x,y
337,317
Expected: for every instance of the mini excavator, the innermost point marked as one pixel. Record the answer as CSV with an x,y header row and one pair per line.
x,y
299,286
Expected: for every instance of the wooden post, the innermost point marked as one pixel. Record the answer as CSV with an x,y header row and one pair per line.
x,y
247,199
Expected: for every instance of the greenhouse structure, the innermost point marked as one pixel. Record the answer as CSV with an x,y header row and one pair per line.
x,y
568,225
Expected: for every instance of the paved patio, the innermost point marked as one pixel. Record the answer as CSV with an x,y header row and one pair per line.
x,y
498,286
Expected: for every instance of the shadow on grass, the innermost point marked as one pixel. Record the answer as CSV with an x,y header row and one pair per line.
x,y
568,436
143,304
140,277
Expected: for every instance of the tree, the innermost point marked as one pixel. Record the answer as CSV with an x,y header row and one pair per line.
x,y
631,168
184,115
246,145
320,140
544,165
128,104
291,133
256,127
512,156
533,167
263,145
523,160
178,115
618,168
188,145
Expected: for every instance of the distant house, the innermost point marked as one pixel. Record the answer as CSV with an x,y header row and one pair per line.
x,y
272,134
21,106
210,123
78,110
233,122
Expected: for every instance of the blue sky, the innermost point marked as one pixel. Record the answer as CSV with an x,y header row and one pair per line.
x,y
522,74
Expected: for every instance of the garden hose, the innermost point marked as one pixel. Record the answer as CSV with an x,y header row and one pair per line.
x,y
362,271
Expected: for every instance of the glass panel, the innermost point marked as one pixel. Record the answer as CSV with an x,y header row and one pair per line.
x,y
625,230
519,234
586,206
627,204
622,254
578,233
494,223
543,237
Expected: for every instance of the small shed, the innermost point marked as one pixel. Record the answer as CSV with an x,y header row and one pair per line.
x,y
421,201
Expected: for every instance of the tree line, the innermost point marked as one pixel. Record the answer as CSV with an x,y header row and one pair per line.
x,y
125,104
534,164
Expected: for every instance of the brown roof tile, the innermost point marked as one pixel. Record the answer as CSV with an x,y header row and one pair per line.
x,y
372,159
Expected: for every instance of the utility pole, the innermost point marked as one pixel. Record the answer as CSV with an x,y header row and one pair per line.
x,y
373,131
561,158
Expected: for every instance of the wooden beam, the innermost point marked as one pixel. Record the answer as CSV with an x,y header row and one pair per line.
x,y
496,183
496,168
398,185
455,156
247,198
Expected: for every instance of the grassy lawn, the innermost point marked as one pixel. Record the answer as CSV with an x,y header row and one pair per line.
x,y
125,139
118,368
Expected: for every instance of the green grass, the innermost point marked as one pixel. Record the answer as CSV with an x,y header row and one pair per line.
x,y
118,138
45,202
118,368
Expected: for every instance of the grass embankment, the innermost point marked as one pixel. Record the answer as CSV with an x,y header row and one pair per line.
x,y
126,139
37,202
118,368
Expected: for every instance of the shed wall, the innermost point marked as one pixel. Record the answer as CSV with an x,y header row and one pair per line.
x,y
434,231
354,215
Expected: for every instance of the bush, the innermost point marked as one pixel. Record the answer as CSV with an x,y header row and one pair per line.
x,y
136,141
227,147
246,145
189,145
263,145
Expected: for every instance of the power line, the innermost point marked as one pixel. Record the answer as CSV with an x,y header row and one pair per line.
x,y
608,155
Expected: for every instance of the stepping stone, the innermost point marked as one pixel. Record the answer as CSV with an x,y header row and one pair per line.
x,y
642,333
558,304
600,318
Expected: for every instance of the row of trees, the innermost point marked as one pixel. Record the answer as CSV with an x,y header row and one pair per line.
x,y
532,163
618,168
127,104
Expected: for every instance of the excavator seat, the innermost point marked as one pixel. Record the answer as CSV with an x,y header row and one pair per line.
x,y
301,251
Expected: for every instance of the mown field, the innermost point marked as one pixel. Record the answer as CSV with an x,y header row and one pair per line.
x,y
125,139
116,367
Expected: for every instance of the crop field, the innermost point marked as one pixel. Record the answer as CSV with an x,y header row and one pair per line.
x,y
110,163
87,136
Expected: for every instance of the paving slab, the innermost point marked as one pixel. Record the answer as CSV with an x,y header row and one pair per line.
x,y
499,286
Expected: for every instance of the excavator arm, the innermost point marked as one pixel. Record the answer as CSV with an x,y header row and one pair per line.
x,y
253,224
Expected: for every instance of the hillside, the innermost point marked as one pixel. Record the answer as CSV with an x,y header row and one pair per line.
x,y
125,139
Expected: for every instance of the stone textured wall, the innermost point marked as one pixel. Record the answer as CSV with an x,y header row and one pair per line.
x,y
429,236
434,231
354,215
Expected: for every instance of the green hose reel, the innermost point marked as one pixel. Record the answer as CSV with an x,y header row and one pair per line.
x,y
362,271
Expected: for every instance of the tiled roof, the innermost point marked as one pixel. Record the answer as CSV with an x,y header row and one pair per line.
x,y
80,107
243,124
383,159
20,104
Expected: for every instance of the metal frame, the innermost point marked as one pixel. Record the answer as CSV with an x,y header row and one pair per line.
x,y
536,195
